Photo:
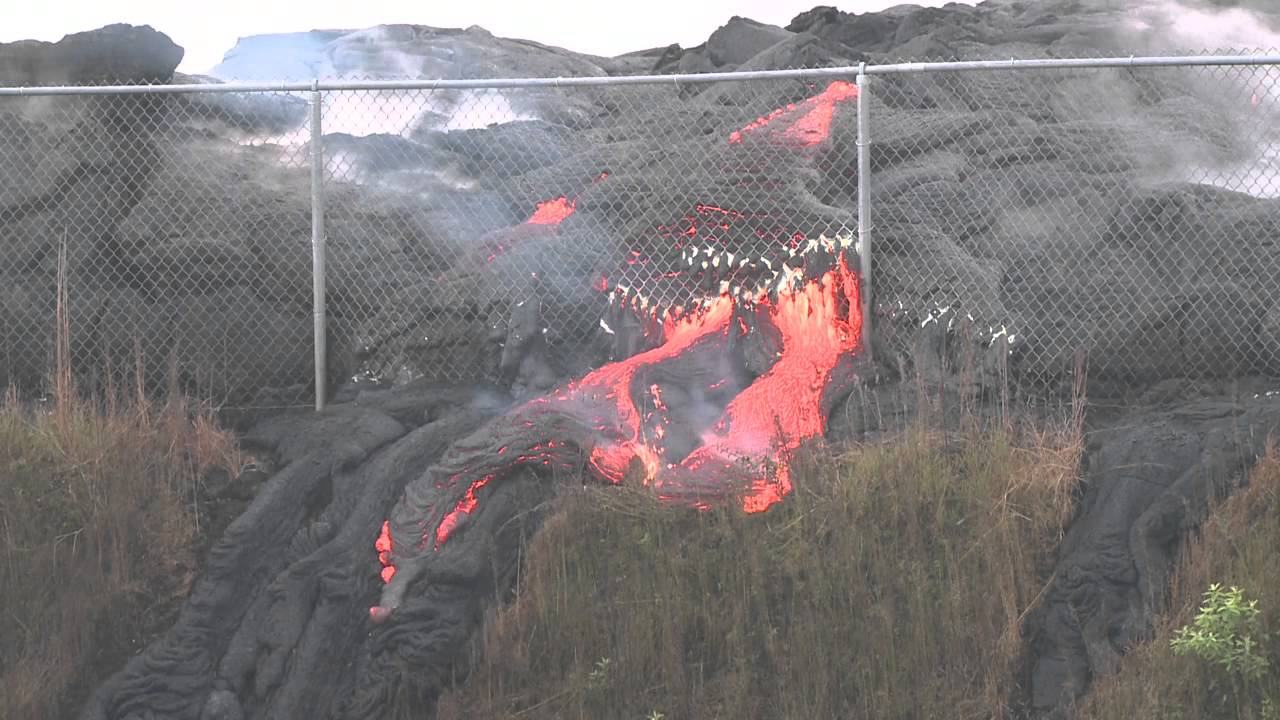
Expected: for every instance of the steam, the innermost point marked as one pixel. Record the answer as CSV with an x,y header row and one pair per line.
x,y
1179,24
1245,96
371,54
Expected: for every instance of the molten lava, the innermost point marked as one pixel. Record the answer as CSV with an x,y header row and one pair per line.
x,y
602,399
619,419
467,504
819,323
552,212
383,546
803,124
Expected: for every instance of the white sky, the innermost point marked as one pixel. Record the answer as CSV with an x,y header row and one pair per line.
x,y
600,27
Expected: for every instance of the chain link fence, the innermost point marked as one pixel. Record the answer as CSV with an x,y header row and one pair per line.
x,y
185,249
1126,212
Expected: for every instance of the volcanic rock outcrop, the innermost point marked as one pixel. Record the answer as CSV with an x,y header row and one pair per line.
x,y
511,241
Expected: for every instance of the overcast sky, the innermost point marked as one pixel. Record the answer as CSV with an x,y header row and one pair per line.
x,y
601,27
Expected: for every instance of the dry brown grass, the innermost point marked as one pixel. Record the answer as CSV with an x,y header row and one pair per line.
x,y
893,583
97,524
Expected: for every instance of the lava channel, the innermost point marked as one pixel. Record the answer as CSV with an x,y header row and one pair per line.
x,y
802,124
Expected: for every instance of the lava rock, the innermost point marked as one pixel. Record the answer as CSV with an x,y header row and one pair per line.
x,y
741,39
111,54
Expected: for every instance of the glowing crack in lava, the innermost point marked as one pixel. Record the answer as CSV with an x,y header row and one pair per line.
x,y
383,546
554,212
547,213
802,124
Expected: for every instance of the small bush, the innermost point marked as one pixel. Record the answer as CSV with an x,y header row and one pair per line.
x,y
1226,634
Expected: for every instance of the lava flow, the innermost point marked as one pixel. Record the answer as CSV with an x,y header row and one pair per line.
x,y
689,417
820,323
383,546
597,421
553,212
547,213
806,123
602,400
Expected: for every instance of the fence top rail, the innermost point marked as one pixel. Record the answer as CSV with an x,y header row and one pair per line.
x,y
1065,63
845,71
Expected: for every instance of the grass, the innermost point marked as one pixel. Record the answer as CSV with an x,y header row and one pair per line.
x,y
1237,547
893,583
97,532
97,536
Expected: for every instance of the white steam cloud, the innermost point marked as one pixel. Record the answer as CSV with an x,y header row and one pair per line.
x,y
1250,97
370,54
1177,24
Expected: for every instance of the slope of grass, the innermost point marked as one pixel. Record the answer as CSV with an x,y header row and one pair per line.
x,y
1238,546
892,584
96,537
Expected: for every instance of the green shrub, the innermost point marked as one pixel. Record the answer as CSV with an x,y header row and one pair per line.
x,y
1227,634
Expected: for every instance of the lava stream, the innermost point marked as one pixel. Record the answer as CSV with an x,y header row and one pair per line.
x,y
602,400
813,124
820,324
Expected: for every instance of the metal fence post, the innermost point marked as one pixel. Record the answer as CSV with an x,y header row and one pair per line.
x,y
864,204
317,241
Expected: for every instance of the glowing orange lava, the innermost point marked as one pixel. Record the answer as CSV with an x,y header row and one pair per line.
x,y
604,397
383,546
552,212
814,122
465,506
819,323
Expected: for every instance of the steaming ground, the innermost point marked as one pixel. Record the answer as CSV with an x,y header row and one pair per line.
x,y
1187,26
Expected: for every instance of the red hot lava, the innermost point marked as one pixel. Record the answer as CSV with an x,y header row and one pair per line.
x,y
552,212
548,212
744,454
383,546
818,323
602,399
806,123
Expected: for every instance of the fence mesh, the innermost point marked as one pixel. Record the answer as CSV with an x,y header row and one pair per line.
x,y
1125,212
185,239
511,211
